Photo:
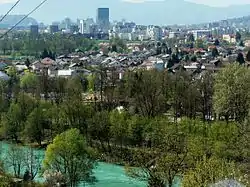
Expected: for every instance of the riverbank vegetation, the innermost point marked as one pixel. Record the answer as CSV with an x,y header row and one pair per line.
x,y
163,127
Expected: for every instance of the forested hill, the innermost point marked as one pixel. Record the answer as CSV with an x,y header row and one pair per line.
x,y
11,20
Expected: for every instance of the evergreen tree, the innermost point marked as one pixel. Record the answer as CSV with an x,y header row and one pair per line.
x,y
238,36
215,52
248,56
240,58
217,42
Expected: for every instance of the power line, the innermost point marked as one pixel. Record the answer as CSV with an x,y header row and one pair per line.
x,y
38,6
9,10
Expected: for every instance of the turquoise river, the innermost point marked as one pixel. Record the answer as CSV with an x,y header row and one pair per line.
x,y
108,175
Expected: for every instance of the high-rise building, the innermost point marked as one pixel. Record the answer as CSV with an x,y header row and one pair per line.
x,y
102,19
74,29
85,25
54,28
34,30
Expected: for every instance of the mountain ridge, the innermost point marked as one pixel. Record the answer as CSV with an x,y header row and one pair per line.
x,y
166,12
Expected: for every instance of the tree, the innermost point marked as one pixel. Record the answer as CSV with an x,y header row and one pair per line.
x,y
216,42
160,165
33,162
194,58
231,96
27,62
15,159
45,54
99,128
12,122
215,52
241,44
238,36
210,171
119,127
147,93
91,83
70,155
29,82
35,125
190,37
248,56
240,58
187,58
199,43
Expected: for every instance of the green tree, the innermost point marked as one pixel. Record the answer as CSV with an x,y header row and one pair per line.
x,y
240,58
191,38
241,44
238,36
199,43
91,83
12,122
99,128
148,92
215,52
29,82
27,62
119,127
194,58
70,155
216,42
35,125
231,96
165,160
210,171
248,56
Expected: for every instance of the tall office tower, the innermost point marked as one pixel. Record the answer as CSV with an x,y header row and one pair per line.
x,y
34,30
85,25
54,28
102,19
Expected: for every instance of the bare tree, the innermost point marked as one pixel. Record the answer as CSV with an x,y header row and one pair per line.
x,y
33,160
15,160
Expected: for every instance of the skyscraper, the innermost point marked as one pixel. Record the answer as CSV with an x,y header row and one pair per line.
x,y
34,30
102,19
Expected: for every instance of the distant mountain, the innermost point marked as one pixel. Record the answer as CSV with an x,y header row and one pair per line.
x,y
166,12
11,20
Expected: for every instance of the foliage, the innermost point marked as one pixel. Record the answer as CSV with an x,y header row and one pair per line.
x,y
15,160
199,44
248,56
12,122
216,42
35,125
209,171
29,82
231,92
238,36
70,155
193,58
55,44
215,52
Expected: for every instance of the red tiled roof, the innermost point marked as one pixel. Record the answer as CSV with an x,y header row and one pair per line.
x,y
47,61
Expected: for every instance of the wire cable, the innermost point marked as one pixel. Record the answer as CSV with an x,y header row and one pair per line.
x,y
37,7
7,13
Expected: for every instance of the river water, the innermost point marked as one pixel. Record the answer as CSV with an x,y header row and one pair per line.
x,y
108,175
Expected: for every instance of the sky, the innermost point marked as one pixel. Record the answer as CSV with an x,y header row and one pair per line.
x,y
206,2
221,2
79,9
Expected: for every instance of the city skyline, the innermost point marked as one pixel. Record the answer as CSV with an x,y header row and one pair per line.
x,y
159,12
205,2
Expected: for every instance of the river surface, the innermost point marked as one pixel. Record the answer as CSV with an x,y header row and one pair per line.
x,y
108,175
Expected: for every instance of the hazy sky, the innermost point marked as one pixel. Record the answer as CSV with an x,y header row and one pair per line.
x,y
221,2
207,2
